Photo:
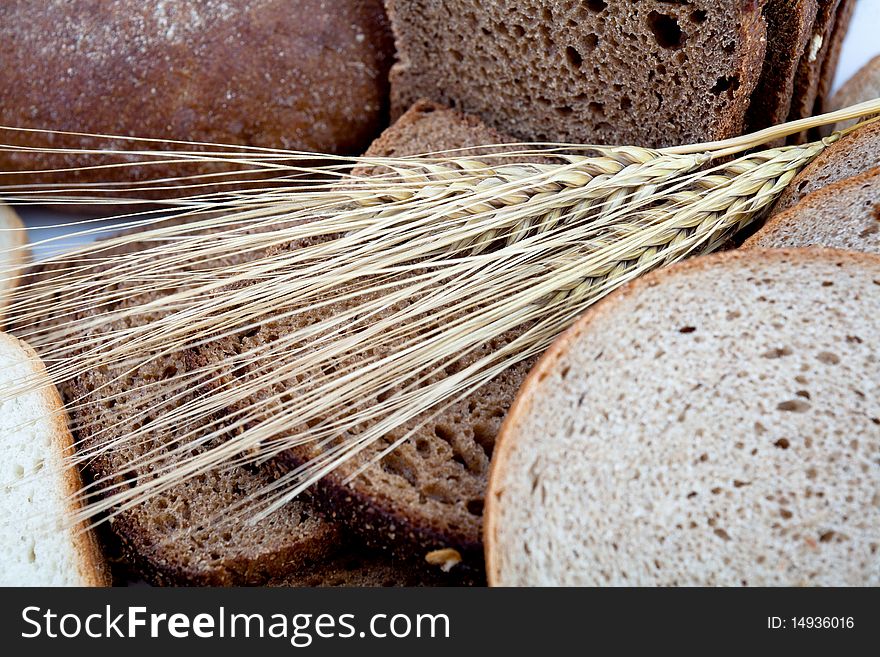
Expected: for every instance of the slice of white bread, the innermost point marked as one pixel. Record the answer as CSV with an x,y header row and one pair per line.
x,y
713,423
14,254
844,215
39,546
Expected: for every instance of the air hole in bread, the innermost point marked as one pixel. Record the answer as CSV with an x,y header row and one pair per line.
x,y
728,83
596,6
666,29
782,443
828,358
687,329
574,57
475,507
777,353
698,16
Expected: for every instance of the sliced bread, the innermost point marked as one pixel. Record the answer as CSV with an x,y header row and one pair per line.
x,y
427,494
713,423
189,534
809,73
864,85
13,254
650,73
789,28
845,215
842,21
40,544
857,153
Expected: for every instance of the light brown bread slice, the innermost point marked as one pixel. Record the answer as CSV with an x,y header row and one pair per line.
x,y
845,215
14,254
789,27
864,85
649,73
855,154
713,423
40,544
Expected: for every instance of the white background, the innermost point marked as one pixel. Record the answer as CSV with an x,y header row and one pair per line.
x,y
862,43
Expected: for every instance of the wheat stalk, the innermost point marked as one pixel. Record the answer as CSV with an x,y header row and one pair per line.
x,y
406,273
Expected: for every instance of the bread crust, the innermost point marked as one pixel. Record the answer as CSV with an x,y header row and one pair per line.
x,y
526,398
306,75
93,568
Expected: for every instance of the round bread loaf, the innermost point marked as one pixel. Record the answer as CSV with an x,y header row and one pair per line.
x,y
714,423
296,74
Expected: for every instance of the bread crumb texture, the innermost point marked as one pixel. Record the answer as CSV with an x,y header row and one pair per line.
x,y
715,424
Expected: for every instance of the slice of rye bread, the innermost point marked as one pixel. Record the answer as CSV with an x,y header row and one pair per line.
x,y
854,154
829,67
14,254
724,409
584,72
428,493
845,215
809,72
864,85
789,27
811,96
185,535
40,545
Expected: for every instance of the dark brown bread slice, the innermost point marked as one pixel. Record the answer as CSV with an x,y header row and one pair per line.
x,y
829,66
649,73
789,26
856,153
428,493
806,82
188,534
844,215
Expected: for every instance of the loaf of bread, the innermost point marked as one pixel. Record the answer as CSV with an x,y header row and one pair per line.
x,y
843,215
40,543
14,254
856,153
713,423
295,74
648,73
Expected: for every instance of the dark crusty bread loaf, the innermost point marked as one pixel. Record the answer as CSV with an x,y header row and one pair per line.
x,y
856,153
190,533
295,74
843,215
648,73
789,27
714,423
